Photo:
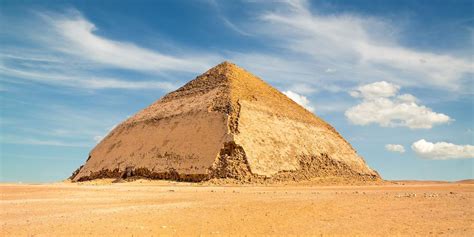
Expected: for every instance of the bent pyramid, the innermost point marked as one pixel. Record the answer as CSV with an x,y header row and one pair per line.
x,y
226,123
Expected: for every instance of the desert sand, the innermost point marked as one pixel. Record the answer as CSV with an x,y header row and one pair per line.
x,y
145,208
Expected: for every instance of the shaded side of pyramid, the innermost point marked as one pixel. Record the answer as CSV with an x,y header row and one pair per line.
x,y
226,123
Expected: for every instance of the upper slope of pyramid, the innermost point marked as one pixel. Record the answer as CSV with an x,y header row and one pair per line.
x,y
229,83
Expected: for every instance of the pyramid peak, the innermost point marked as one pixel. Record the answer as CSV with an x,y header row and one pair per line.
x,y
234,84
227,64
225,68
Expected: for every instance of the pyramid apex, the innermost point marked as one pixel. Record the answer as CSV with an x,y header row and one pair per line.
x,y
226,63
226,66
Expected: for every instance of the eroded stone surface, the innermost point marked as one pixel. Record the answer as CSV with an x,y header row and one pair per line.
x,y
226,123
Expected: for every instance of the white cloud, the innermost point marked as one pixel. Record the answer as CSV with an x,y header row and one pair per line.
x,y
300,99
225,20
235,28
326,107
77,36
407,98
98,138
327,52
395,148
310,48
381,105
57,125
356,48
376,90
83,81
67,50
299,76
442,150
39,142
302,88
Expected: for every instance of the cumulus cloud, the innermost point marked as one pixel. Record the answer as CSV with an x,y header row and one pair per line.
x,y
407,98
395,148
300,99
376,90
381,105
442,150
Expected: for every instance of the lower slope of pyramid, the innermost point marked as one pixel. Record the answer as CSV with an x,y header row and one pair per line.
x,y
224,124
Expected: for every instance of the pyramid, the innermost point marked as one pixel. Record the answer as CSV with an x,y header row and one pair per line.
x,y
226,123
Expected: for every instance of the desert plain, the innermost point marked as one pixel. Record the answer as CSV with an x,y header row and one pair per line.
x,y
152,208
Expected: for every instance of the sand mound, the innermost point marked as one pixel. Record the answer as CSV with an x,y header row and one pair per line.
x,y
226,123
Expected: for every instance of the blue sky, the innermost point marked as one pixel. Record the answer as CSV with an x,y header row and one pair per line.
x,y
393,77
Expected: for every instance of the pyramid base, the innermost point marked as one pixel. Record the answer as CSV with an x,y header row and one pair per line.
x,y
232,165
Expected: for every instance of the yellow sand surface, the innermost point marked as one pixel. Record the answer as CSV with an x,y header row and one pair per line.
x,y
151,208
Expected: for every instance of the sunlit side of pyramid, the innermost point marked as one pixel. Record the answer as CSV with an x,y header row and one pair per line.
x,y
226,123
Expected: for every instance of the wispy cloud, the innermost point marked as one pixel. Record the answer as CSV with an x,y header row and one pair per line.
x,y
69,52
355,49
83,80
234,27
323,52
78,38
40,142
225,19
50,124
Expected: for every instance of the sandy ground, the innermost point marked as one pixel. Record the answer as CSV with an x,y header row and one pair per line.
x,y
144,208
